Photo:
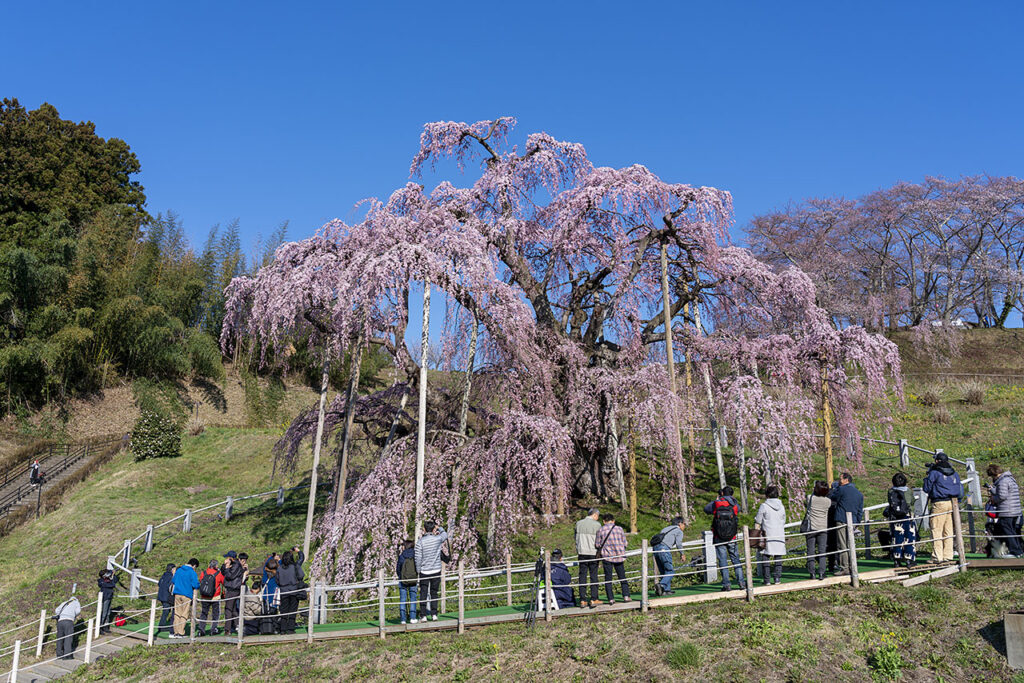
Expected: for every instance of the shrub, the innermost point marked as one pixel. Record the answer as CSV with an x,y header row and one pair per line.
x,y
682,656
942,416
196,426
155,436
929,397
973,392
886,662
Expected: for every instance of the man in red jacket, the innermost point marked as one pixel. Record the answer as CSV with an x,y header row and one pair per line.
x,y
211,581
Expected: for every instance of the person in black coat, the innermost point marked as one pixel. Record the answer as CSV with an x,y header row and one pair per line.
x,y
561,581
289,578
234,573
165,597
106,583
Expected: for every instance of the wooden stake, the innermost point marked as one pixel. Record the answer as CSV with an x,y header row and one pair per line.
x,y
88,640
309,616
241,615
508,576
645,596
152,623
958,536
690,438
462,596
42,633
444,588
547,592
16,657
852,549
195,607
99,612
746,561
380,603
325,378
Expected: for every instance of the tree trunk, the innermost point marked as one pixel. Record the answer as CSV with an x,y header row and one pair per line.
x,y
706,367
316,455
826,421
691,440
632,480
421,418
346,434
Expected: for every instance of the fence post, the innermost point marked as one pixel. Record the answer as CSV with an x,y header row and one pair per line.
x,y
152,622
644,576
111,559
958,536
42,633
508,576
99,612
186,524
851,541
710,558
746,561
280,496
380,603
867,534
126,552
462,595
547,592
321,605
921,509
228,505
241,615
970,528
88,641
192,628
904,454
974,498
309,614
134,584
444,588
149,538
16,657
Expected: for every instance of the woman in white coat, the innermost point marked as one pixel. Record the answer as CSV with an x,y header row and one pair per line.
x,y
771,518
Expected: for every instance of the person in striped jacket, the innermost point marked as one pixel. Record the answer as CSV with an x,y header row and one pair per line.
x,y
1006,496
611,544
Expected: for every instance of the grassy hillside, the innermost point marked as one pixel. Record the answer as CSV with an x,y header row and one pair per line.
x,y
949,630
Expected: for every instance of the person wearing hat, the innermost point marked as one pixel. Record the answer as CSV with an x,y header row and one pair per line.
x,y
165,597
235,574
942,484
65,614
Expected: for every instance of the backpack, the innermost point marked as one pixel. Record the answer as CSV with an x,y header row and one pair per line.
x,y
657,538
408,575
898,508
208,585
724,524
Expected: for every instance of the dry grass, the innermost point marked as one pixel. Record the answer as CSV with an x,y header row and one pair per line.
x,y
942,415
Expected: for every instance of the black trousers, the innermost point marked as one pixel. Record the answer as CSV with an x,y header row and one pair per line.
x,y
430,587
620,572
105,615
589,566
289,608
231,610
1009,531
166,616
210,608
65,639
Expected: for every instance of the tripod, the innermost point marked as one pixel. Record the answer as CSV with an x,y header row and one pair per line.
x,y
531,612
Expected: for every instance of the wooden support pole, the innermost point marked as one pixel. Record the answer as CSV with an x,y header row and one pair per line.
x,y
321,416
421,415
380,604
195,609
42,633
852,550
17,656
88,640
644,577
149,538
826,421
970,528
309,615
547,592
350,416
958,536
462,595
746,561
151,634
632,483
675,446
444,588
508,576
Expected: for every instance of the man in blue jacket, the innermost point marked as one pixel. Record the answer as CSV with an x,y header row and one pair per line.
x,y
942,484
186,583
847,499
164,596
561,581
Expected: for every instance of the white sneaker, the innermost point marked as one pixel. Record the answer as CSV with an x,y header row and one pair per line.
x,y
402,622
434,617
412,621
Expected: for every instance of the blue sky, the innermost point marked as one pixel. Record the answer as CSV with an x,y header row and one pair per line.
x,y
266,112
